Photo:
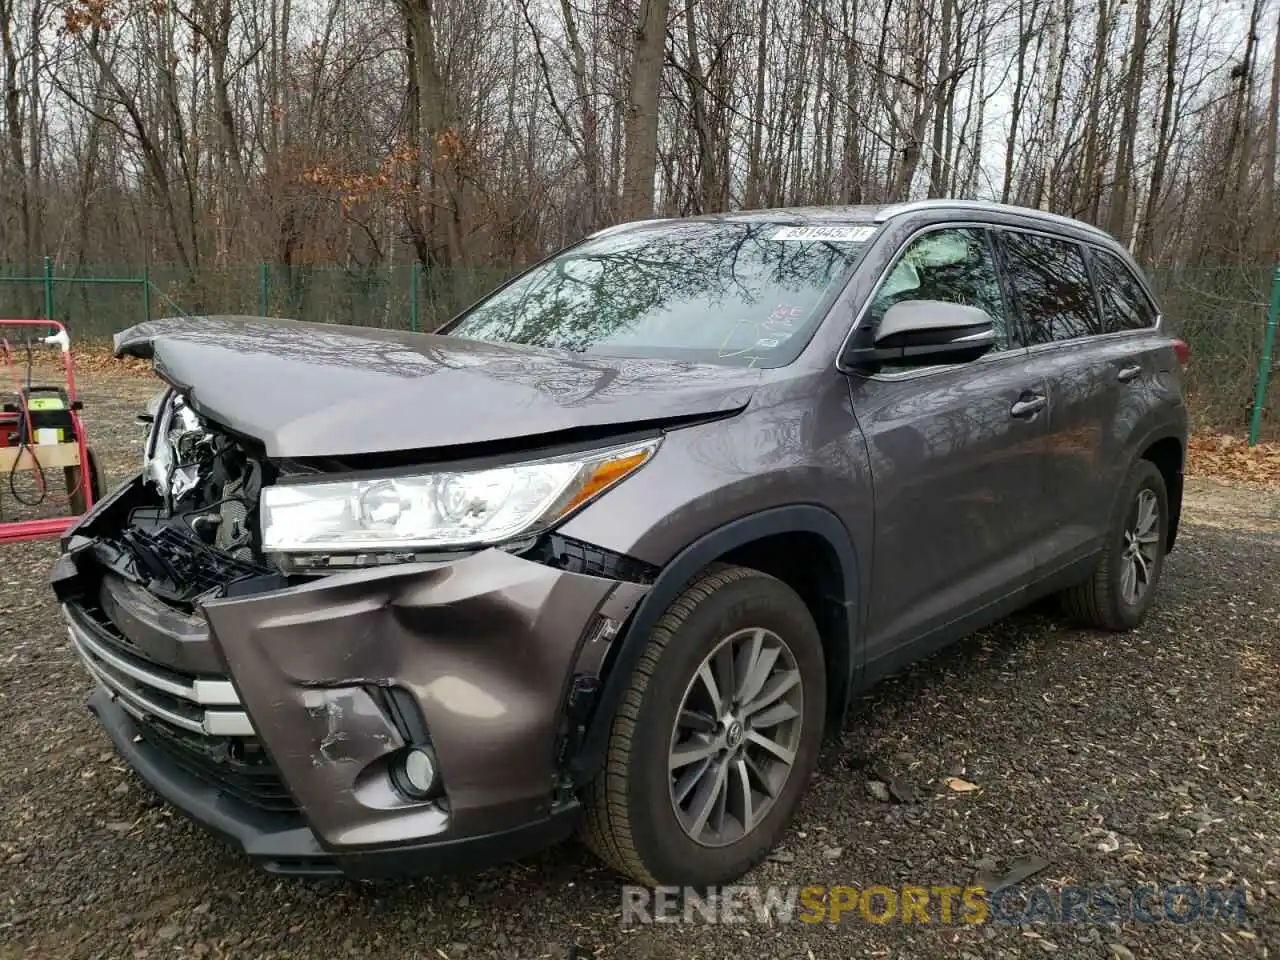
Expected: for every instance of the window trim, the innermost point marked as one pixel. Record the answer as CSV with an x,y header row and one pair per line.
x,y
1006,287
991,227
1006,295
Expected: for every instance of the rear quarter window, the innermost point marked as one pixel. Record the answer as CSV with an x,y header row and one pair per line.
x,y
1125,304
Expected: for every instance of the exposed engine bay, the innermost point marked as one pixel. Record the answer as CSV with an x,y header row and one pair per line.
x,y
205,479
194,532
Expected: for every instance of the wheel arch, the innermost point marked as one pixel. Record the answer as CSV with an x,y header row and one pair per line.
x,y
1168,453
734,543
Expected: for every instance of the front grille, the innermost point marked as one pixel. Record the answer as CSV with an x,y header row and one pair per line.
x,y
196,722
195,704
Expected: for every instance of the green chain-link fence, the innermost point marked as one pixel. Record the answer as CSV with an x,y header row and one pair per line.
x,y
97,301
1228,315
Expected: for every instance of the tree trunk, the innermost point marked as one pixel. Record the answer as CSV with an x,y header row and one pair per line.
x,y
437,233
852,161
752,198
1118,209
590,117
941,105
640,165
1050,189
1088,195
1269,234
15,138
703,195
1025,29
1155,188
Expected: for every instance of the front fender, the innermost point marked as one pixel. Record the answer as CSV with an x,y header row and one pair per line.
x,y
630,645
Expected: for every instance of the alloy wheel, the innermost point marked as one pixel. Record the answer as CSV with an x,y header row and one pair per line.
x,y
1141,546
735,737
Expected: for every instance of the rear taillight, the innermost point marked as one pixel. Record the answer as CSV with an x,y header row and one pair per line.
x,y
1183,353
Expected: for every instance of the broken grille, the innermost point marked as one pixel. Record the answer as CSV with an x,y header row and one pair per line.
x,y
196,722
197,705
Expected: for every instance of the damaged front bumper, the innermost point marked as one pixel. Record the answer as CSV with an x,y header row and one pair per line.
x,y
274,716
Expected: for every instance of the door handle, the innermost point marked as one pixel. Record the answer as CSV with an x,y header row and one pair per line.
x,y
1129,373
1025,409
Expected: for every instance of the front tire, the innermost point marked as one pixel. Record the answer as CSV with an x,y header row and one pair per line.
x,y
716,737
1123,586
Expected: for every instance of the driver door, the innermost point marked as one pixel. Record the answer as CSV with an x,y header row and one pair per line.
x,y
956,454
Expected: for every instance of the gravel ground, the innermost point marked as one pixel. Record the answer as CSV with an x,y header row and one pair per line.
x,y
1151,757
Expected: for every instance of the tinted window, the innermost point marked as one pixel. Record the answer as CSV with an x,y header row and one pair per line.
x,y
953,265
1125,305
1051,288
746,294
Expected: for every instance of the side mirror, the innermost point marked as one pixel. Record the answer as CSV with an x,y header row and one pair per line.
x,y
927,333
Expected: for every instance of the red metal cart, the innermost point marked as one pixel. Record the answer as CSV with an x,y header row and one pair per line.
x,y
27,446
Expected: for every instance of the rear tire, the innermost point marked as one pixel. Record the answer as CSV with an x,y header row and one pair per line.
x,y
643,811
1123,586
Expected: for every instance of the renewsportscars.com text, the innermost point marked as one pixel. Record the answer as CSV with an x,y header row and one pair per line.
x,y
938,905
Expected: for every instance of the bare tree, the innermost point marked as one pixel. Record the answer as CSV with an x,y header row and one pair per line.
x,y
1269,246
640,164
469,133
21,52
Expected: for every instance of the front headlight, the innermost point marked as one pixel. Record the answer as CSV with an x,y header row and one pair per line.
x,y
440,510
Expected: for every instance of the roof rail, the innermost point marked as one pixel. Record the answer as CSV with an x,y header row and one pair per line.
x,y
624,226
898,209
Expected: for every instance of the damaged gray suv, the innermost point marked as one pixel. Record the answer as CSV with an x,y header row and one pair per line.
x,y
612,552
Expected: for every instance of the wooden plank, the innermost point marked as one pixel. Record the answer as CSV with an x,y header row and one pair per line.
x,y
51,456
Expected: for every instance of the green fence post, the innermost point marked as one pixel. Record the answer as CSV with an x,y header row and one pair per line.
x,y
413,296
146,291
265,294
1264,365
48,288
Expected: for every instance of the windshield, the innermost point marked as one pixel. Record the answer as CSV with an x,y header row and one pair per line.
x,y
746,294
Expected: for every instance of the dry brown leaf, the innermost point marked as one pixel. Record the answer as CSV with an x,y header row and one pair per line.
x,y
1230,459
961,786
95,358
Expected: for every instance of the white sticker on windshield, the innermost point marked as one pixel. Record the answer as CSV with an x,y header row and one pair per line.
x,y
833,232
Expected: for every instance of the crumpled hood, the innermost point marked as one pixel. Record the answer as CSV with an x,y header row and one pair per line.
x,y
320,390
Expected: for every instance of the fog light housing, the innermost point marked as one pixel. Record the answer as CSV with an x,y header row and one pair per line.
x,y
416,773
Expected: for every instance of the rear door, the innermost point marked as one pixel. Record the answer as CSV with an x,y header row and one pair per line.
x,y
1096,361
955,459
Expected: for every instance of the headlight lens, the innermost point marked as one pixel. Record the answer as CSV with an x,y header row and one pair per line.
x,y
440,510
